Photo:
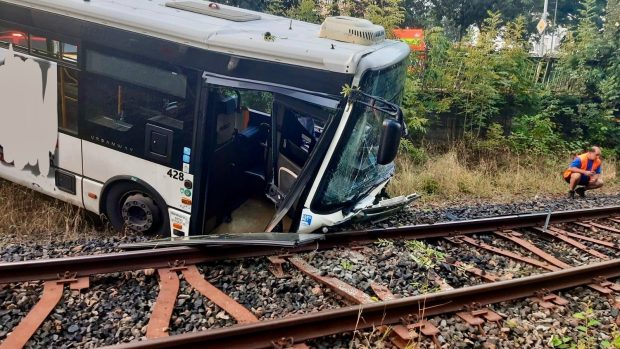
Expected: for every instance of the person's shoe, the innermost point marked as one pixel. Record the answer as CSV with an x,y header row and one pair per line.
x,y
571,194
581,191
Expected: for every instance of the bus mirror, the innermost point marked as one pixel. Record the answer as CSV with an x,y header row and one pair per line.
x,y
391,133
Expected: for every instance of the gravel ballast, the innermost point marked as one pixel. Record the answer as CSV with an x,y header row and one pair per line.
x,y
116,307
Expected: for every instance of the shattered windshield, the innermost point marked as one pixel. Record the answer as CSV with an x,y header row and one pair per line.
x,y
354,172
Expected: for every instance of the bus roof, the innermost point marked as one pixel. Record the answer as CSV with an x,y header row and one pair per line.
x,y
269,38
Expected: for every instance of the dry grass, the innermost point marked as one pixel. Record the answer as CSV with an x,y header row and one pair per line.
x,y
447,178
26,215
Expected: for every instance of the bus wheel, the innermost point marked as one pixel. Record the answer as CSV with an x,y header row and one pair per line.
x,y
140,213
129,206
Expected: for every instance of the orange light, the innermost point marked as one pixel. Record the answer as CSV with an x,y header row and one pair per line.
x,y
177,226
186,201
17,35
92,195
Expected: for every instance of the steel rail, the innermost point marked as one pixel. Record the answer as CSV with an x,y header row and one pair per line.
x,y
49,269
304,327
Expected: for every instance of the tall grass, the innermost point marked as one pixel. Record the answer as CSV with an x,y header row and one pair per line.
x,y
26,215
450,176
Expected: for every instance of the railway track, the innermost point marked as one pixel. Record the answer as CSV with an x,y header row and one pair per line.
x,y
460,284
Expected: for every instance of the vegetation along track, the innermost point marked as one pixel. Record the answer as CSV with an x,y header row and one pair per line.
x,y
445,273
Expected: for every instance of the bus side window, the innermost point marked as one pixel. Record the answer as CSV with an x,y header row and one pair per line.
x,y
68,99
41,46
17,38
125,100
69,53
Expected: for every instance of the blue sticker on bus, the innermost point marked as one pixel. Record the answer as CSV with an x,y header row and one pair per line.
x,y
186,159
187,151
306,219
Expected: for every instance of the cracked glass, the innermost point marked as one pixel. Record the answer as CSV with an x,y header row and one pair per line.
x,y
354,171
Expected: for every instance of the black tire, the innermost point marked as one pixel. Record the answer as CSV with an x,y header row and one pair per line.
x,y
130,206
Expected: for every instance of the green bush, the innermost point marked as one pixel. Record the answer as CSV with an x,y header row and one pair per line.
x,y
536,134
418,155
430,185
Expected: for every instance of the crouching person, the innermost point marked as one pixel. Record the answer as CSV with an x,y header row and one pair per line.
x,y
585,172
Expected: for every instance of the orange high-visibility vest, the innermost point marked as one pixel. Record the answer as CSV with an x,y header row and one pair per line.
x,y
584,165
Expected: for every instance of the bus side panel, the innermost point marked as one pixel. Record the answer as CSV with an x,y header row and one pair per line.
x,y
102,164
93,188
29,125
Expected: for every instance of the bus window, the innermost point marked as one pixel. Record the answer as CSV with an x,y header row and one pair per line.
x,y
67,99
15,37
257,100
69,53
125,99
41,46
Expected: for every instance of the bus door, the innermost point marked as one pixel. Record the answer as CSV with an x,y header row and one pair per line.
x,y
258,139
237,128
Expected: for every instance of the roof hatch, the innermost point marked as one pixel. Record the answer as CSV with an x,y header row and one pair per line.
x,y
214,10
352,30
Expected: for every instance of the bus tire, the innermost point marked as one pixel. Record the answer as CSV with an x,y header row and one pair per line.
x,y
130,206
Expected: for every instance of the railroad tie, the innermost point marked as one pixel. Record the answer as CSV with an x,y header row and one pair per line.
x,y
509,254
476,315
548,300
52,294
221,299
514,237
159,321
607,244
404,335
168,292
482,274
345,290
575,243
605,227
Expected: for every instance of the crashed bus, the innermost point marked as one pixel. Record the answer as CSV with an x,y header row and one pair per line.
x,y
185,118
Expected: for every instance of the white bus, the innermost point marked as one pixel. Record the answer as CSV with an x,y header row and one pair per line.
x,y
188,117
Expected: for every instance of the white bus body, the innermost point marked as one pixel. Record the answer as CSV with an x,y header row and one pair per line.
x,y
132,107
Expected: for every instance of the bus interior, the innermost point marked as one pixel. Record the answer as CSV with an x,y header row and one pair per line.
x,y
262,141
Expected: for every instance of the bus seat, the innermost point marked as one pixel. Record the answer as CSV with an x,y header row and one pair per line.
x,y
226,119
251,150
297,138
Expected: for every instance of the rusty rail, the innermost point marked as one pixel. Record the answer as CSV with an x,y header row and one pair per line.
x,y
49,269
305,327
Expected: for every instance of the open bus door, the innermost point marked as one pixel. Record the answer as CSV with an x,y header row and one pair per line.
x,y
256,140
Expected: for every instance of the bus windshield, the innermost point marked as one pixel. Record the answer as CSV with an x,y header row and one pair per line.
x,y
354,171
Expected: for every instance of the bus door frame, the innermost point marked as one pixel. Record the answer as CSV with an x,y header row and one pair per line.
x,y
204,147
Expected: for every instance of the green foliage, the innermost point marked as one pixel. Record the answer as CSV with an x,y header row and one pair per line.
x,y
485,84
388,13
586,338
418,155
423,254
384,243
430,185
347,89
276,7
535,134
346,264
306,11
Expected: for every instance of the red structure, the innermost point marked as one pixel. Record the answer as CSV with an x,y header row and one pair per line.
x,y
413,37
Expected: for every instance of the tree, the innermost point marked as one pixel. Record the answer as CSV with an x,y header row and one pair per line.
x,y
276,7
256,5
306,11
610,85
387,13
